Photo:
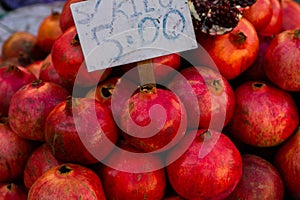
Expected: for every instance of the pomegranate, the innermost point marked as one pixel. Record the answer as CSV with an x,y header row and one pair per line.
x,y
35,68
234,52
287,160
212,176
275,25
136,176
154,119
14,153
284,70
11,191
259,14
66,19
260,180
68,60
84,123
37,99
215,97
290,15
67,181
40,161
264,115
12,78
48,31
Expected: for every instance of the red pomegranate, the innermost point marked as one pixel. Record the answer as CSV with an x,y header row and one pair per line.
x,y
14,152
12,78
40,161
212,176
264,115
259,14
215,97
11,191
84,123
233,52
48,31
68,60
137,176
154,119
67,181
260,180
284,70
287,160
35,68
66,19
30,107
290,15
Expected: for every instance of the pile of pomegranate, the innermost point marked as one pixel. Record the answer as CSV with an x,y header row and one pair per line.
x,y
221,122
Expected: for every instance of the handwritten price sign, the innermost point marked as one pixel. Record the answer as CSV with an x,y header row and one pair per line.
x,y
116,32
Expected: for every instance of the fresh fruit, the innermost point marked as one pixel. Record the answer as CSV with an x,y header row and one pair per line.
x,y
284,70
67,181
68,60
290,15
30,106
35,68
215,97
40,161
210,176
259,14
264,115
154,119
233,52
14,153
66,19
48,31
11,191
287,160
85,124
137,176
12,78
260,180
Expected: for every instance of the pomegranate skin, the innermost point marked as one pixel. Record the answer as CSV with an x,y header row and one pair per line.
x,y
284,70
213,176
12,78
11,191
132,184
38,98
71,123
142,121
14,153
287,160
214,93
264,116
40,161
66,19
260,180
290,15
67,181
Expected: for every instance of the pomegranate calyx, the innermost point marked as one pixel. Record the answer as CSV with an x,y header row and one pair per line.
x,y
107,91
75,41
12,68
215,86
64,169
238,38
148,88
297,34
9,186
69,104
36,83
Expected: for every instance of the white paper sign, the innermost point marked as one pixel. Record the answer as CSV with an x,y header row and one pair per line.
x,y
116,32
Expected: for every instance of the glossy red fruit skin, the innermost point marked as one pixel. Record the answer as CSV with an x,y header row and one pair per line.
x,y
66,19
287,160
40,161
12,78
11,191
132,184
290,15
14,153
68,60
150,133
284,70
233,52
259,14
67,181
76,116
264,115
213,176
214,93
275,25
260,180
30,107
